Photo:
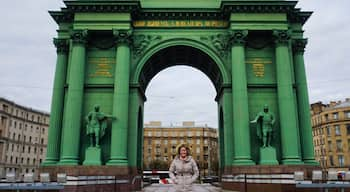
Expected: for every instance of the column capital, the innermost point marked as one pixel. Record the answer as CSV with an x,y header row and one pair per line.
x,y
299,45
238,37
61,45
122,36
282,36
79,36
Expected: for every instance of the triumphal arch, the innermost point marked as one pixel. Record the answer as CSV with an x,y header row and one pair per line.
x,y
109,50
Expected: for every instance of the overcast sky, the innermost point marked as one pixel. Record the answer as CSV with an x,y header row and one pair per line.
x,y
28,57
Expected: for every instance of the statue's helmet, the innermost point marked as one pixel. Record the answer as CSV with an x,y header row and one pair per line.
x,y
266,106
97,107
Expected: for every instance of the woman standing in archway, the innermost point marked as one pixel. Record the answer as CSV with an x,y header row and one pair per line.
x,y
183,170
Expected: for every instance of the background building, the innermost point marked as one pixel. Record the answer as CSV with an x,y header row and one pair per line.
x,y
331,133
23,138
160,143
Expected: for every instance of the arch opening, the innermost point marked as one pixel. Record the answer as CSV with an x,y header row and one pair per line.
x,y
180,55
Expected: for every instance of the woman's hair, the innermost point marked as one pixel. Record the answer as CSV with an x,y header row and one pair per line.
x,y
187,149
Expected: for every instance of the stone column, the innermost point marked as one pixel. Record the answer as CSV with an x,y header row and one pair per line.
x,y
303,102
227,126
73,108
286,100
241,133
57,103
119,137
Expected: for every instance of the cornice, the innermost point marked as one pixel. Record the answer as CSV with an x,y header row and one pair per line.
x,y
62,16
223,13
102,6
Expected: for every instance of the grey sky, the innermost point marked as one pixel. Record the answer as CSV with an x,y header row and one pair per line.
x,y
27,59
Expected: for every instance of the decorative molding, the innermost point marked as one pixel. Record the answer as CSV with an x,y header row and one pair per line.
x,y
122,36
61,45
238,37
176,15
142,42
282,36
79,36
299,45
219,42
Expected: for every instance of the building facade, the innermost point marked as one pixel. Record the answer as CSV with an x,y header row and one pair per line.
x,y
331,133
160,145
23,138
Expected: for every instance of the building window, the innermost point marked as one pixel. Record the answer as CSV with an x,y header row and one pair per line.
x,y
198,141
189,133
205,142
158,133
149,141
328,130
331,162
347,114
339,146
198,150
335,116
330,146
198,133
337,130
165,142
326,117
341,160
348,129
165,150
165,134
158,150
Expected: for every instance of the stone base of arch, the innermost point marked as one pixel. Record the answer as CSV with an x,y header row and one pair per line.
x,y
267,178
96,178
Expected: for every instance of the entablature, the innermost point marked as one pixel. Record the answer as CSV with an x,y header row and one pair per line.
x,y
227,8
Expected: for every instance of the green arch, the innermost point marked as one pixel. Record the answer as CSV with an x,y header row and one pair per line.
x,y
181,42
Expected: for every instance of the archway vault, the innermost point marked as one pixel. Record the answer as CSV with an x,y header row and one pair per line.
x,y
181,52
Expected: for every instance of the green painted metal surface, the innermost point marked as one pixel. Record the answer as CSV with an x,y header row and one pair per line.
x,y
108,51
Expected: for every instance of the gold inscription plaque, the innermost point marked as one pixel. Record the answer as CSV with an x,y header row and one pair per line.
x,y
102,67
182,23
259,65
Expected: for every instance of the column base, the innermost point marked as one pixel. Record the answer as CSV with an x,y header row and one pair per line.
x,y
49,162
121,162
68,162
311,162
243,162
292,162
